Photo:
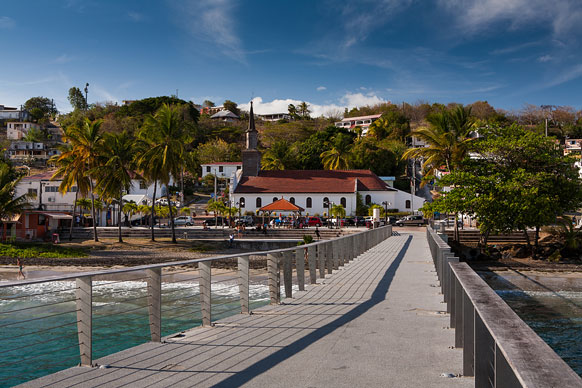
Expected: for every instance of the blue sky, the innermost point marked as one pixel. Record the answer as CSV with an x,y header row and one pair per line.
x,y
330,53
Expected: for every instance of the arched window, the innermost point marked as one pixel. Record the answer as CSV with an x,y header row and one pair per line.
x,y
343,202
308,203
368,199
408,203
274,199
258,203
241,202
325,202
292,200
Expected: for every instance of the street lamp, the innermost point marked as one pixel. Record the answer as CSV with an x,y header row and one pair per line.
x,y
385,203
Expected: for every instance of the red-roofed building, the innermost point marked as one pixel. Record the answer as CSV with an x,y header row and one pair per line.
x,y
252,188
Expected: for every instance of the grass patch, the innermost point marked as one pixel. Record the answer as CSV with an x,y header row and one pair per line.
x,y
49,251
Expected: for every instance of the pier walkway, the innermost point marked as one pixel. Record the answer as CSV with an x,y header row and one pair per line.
x,y
377,322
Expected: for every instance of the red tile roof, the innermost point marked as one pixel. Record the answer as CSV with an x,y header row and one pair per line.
x,y
311,181
281,205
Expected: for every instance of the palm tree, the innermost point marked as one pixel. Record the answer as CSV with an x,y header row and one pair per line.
x,y
114,171
217,207
164,153
276,157
143,210
10,205
335,159
85,142
129,209
292,111
447,137
303,109
72,174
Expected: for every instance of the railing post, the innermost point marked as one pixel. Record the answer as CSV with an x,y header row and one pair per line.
x,y
243,283
335,250
321,260
300,254
311,260
468,336
274,278
288,273
154,284
458,307
342,250
205,292
328,257
84,296
484,355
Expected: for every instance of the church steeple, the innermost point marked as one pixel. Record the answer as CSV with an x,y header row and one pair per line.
x,y
251,157
252,134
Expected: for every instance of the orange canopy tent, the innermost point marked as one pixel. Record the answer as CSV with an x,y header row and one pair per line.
x,y
281,205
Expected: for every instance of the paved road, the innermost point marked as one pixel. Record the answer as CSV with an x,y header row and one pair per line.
x,y
377,322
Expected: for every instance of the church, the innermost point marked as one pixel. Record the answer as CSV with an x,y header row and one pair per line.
x,y
251,188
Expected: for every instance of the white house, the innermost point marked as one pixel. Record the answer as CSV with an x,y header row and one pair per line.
x,y
18,130
363,122
275,116
48,197
221,169
9,113
310,189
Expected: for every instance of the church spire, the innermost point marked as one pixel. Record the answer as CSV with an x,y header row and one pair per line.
x,y
252,134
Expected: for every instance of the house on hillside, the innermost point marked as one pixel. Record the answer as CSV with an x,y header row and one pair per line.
x,y
363,122
253,188
9,113
225,115
16,130
221,169
275,116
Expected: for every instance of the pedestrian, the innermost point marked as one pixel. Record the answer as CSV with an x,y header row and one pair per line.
x,y
20,273
317,232
230,239
265,228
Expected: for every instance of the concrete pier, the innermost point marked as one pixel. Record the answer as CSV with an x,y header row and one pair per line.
x,y
378,321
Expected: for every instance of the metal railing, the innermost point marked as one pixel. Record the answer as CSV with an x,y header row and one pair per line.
x,y
69,319
499,349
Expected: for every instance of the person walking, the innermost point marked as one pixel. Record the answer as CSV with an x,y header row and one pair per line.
x,y
317,232
20,266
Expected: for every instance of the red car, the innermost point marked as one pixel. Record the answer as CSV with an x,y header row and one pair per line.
x,y
314,221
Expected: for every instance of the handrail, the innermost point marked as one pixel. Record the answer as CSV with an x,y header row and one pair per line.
x,y
317,259
499,348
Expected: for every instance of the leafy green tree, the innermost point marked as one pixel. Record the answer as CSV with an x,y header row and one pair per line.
x,y
292,109
231,106
518,180
392,124
34,135
40,108
129,209
361,208
208,104
336,159
217,150
77,99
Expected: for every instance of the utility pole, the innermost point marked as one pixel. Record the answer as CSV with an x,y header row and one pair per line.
x,y
86,93
215,199
413,185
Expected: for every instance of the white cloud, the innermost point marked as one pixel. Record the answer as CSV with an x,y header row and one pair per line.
x,y
545,58
62,59
349,100
212,21
476,15
6,23
136,16
565,76
321,88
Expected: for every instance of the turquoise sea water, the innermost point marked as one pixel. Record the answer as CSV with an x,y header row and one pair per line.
x,y
41,338
556,316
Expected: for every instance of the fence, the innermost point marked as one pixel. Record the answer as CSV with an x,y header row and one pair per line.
x,y
53,323
499,349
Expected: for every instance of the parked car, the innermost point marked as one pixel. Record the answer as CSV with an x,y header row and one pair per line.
x,y
218,221
245,220
314,221
359,221
415,220
183,221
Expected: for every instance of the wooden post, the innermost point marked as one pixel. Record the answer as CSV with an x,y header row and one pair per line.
x,y
300,254
288,273
274,278
311,260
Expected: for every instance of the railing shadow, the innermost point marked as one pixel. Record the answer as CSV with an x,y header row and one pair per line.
x,y
281,355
